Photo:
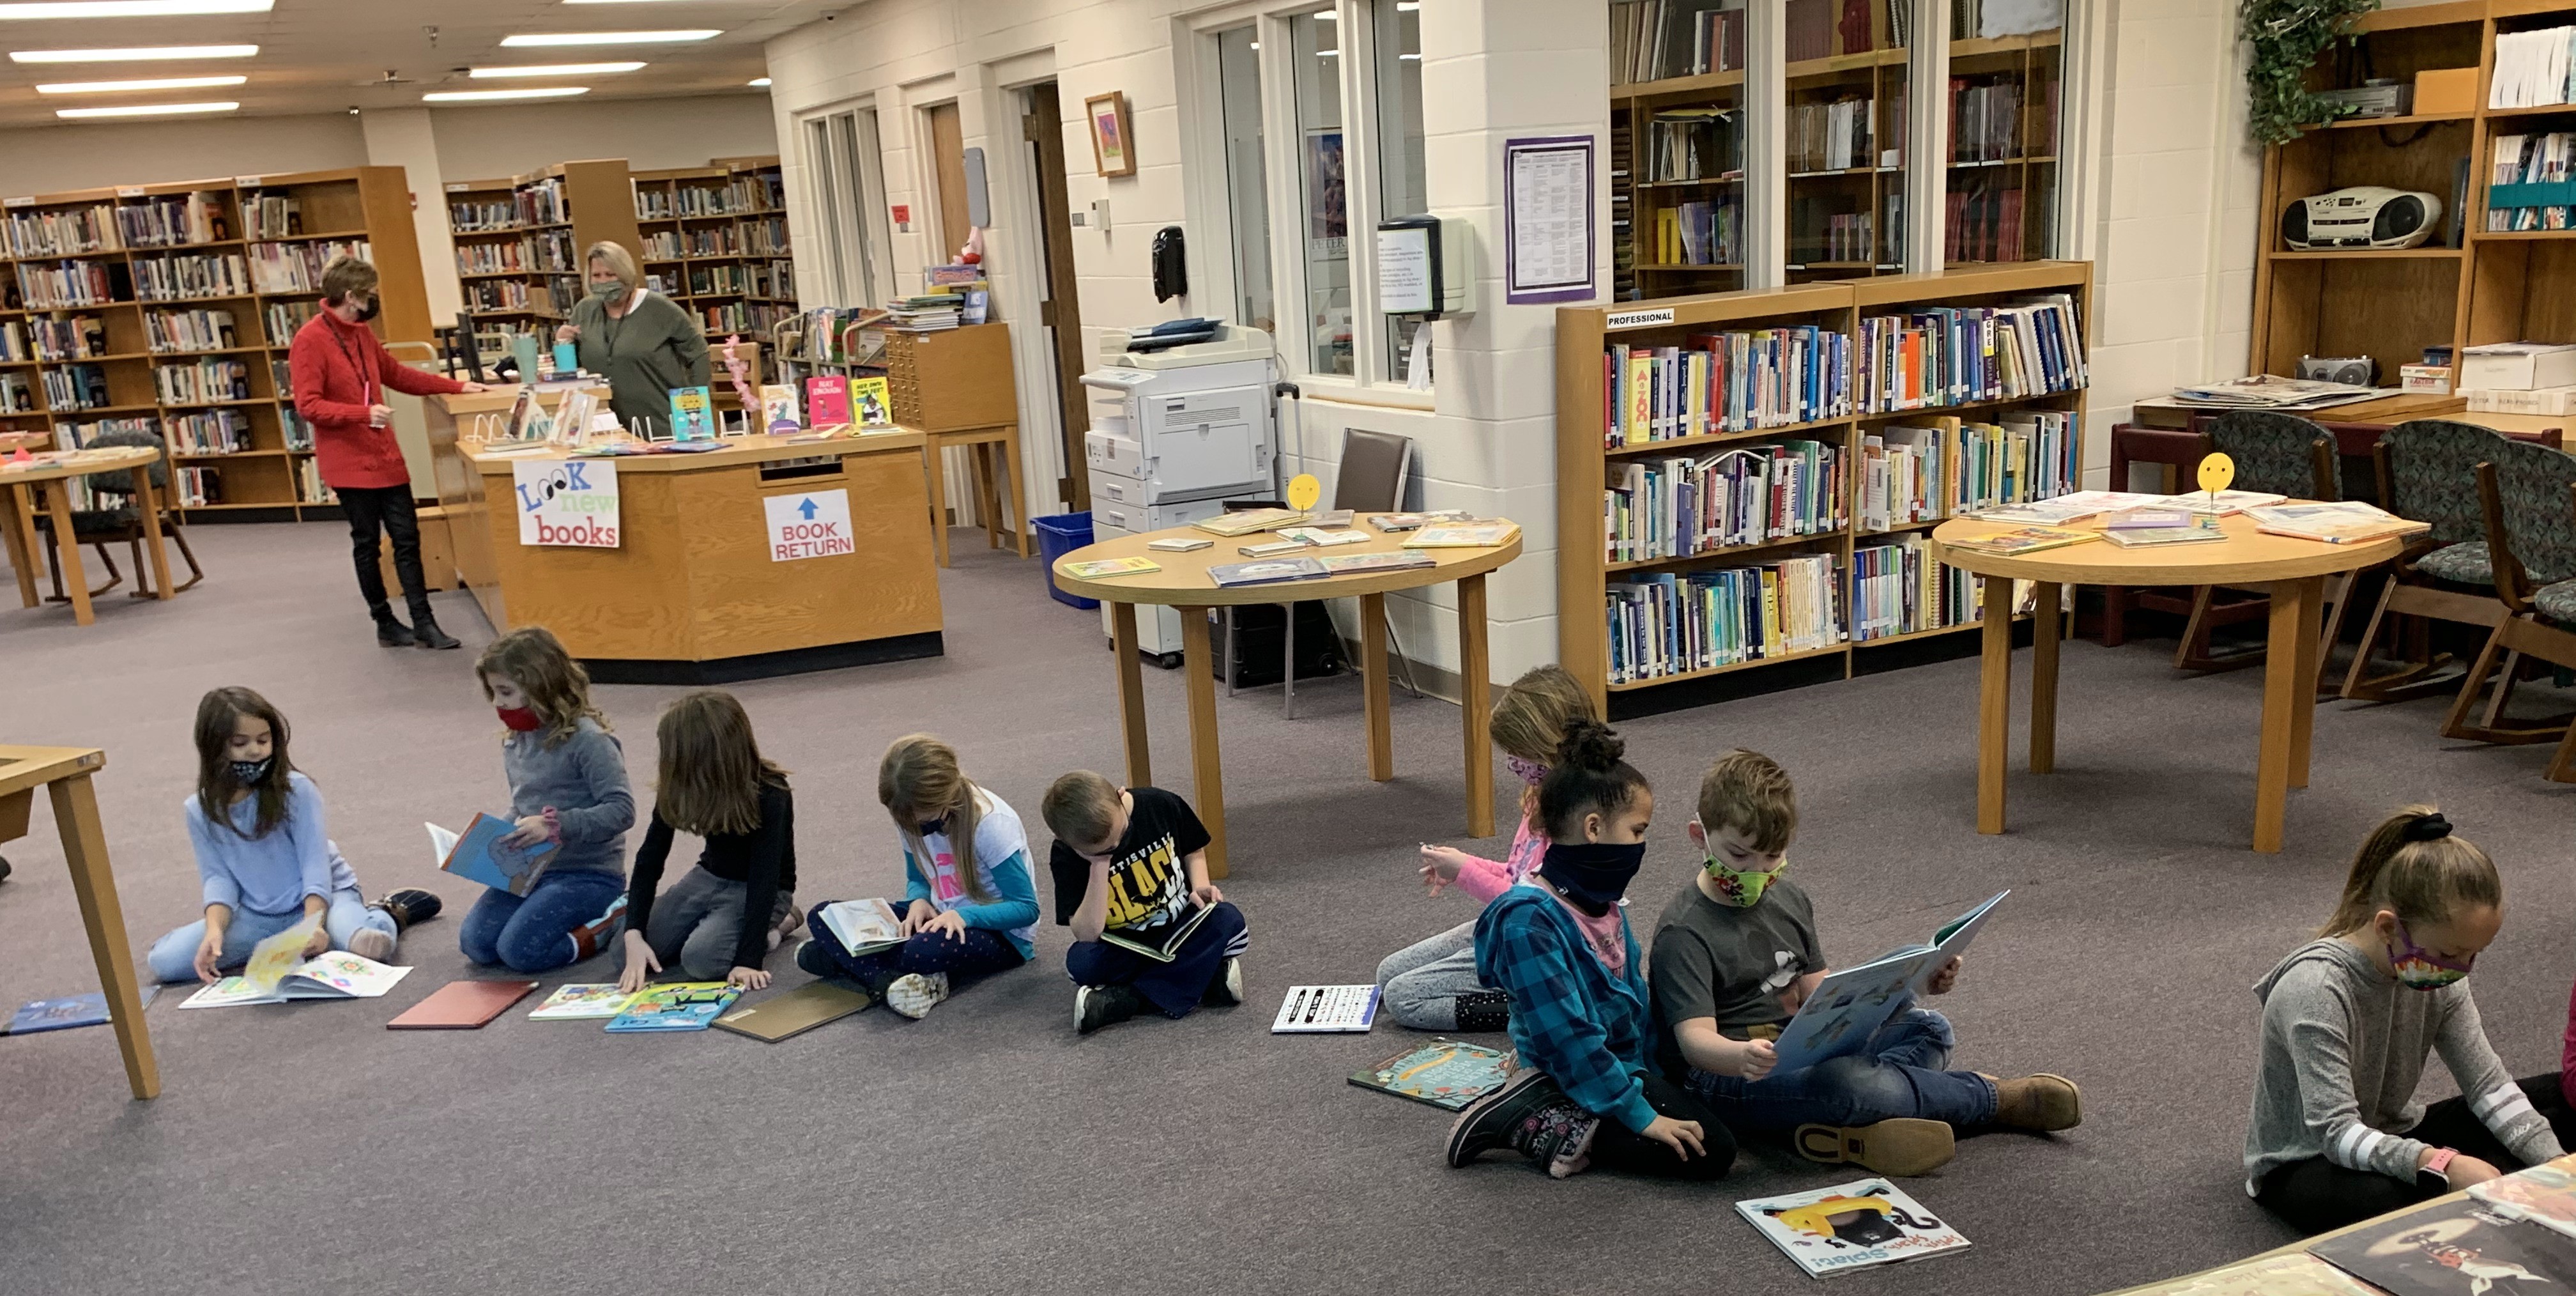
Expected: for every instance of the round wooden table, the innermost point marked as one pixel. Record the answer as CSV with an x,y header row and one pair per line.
x,y
1183,583
2293,570
18,519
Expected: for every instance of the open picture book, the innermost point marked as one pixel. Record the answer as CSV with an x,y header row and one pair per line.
x,y
1851,1004
863,926
480,854
1161,944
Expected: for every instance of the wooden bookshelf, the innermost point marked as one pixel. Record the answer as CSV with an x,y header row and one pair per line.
x,y
170,256
1585,463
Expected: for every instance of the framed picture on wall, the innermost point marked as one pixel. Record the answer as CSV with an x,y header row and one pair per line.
x,y
1113,143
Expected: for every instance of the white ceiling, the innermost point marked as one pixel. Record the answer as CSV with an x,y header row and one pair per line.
x,y
329,55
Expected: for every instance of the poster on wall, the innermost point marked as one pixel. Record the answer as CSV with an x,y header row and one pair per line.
x,y
1327,212
1548,234
566,502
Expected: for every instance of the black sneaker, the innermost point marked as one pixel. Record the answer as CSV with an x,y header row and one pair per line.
x,y
812,957
410,905
1496,1120
1098,1006
1226,990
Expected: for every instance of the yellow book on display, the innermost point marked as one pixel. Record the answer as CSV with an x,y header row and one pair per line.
x,y
1112,567
1641,382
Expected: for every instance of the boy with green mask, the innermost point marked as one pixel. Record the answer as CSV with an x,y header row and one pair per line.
x,y
1736,953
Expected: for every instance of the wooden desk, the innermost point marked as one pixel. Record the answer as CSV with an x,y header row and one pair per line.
x,y
979,444
64,773
1183,583
18,520
2295,571
692,595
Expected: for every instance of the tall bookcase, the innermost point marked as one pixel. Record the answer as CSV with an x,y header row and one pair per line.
x,y
2391,305
519,242
169,308
718,235
1587,464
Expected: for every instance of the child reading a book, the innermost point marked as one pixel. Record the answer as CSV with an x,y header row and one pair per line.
x,y
1558,943
1736,954
721,919
1149,929
971,904
1432,984
264,856
567,787
2337,1134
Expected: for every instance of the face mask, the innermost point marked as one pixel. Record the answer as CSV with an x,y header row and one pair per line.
x,y
1741,888
607,289
2418,968
1530,771
1592,874
520,719
249,773
931,826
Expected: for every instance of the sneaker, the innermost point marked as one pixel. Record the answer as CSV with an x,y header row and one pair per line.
x,y
591,937
2042,1103
1497,1119
1574,1158
1227,989
915,994
791,920
812,957
1098,1006
409,905
369,943
1904,1146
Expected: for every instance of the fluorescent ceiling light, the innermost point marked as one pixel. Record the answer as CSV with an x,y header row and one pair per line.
x,y
1325,15
487,96
758,81
148,83
554,69
147,110
36,9
136,54
1328,53
610,38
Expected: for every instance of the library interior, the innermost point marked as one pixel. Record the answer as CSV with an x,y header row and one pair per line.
x,y
2094,470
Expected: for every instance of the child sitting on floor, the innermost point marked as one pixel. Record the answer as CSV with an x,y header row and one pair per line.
x,y
721,919
1558,943
263,855
1132,863
1736,954
1432,984
971,903
2337,1135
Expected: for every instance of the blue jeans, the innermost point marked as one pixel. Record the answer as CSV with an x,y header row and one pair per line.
x,y
1900,1074
1173,988
174,957
533,933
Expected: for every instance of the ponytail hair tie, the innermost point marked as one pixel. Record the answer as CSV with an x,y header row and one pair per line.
x,y
2431,827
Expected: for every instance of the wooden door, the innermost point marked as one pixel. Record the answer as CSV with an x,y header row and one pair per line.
x,y
948,156
1061,312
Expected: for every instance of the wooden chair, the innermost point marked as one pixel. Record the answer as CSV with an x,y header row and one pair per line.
x,y
2427,470
2527,497
123,523
2279,454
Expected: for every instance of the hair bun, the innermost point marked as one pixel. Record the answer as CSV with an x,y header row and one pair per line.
x,y
1590,745
2430,827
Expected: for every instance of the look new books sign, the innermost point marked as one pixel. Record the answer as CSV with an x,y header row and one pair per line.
x,y
566,502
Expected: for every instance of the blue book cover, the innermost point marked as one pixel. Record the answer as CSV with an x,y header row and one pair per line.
x,y
693,414
676,1006
480,854
60,1014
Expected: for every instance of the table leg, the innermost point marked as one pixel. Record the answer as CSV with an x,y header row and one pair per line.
x,y
1204,765
58,505
2043,677
1131,694
2303,712
1994,706
1475,688
1373,687
18,532
145,499
1019,492
85,849
934,462
2282,681
987,499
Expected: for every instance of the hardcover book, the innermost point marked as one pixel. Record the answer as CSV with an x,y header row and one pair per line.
x,y
1326,1010
1266,571
462,1005
864,926
1850,1004
588,1002
693,414
1161,944
2455,1248
675,1006
1856,1225
335,974
827,398
480,854
1446,1073
874,398
1113,567
2022,540
795,1012
1474,535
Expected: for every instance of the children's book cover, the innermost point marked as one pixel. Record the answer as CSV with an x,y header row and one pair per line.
x,y
1480,535
2290,1275
693,414
1446,1073
1099,567
2455,1248
480,854
64,1014
778,408
1850,1226
583,1002
1401,560
827,398
334,974
676,1006
2544,1195
863,926
874,398
1850,1005
1326,1010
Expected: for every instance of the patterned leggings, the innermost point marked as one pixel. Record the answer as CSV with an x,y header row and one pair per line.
x,y
980,952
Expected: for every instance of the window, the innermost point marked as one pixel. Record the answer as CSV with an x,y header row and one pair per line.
x,y
1238,53
1316,63
849,191
1402,189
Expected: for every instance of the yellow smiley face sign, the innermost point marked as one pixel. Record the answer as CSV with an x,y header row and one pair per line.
x,y
1303,490
2216,472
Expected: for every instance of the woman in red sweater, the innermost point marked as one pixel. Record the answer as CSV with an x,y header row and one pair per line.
x,y
341,374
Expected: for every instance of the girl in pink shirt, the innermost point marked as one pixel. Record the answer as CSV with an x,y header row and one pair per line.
x,y
1432,985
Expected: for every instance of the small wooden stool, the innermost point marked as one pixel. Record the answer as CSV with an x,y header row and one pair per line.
x,y
980,443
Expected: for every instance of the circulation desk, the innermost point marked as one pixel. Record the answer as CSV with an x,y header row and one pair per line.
x,y
692,593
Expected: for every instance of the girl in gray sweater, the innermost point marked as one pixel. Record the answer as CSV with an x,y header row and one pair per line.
x,y
2337,1135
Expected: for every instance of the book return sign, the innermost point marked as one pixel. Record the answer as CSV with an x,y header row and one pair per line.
x,y
812,525
566,502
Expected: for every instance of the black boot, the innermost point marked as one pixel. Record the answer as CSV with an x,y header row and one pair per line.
x,y
424,628
390,632
409,905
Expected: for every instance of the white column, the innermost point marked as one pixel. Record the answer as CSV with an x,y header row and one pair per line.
x,y
1766,145
1927,135
403,137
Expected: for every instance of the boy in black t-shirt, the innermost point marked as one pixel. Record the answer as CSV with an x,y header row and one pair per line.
x,y
1131,875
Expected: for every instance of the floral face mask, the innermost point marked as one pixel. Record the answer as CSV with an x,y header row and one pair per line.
x,y
1530,771
2418,968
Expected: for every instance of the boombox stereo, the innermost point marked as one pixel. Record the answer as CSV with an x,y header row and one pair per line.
x,y
2357,371
2365,216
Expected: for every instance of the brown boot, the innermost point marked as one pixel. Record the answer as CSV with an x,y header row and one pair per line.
x,y
2041,1103
1901,1146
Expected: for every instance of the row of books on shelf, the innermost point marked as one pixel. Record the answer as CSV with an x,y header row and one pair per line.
x,y
551,250
64,232
1839,135
1985,119
772,279
1695,144
712,280
1673,623
189,330
71,337
180,278
1675,508
709,241
489,258
74,283
78,434
173,220
17,394
76,387
1954,355
1951,467
542,202
1725,382
742,317
14,343
205,381
197,487
2533,68
1654,39
837,335
2548,159
283,318
1815,29
272,215
660,245
212,432
1817,233
1900,589
1985,223
495,295
481,215
765,237
1707,231
297,267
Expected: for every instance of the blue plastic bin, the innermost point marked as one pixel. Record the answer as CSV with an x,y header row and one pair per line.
x,y
1059,535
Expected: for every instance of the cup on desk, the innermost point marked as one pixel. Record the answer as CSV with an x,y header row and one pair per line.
x,y
565,360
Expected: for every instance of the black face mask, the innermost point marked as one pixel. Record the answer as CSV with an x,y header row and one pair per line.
x,y
1592,874
374,307
932,826
249,773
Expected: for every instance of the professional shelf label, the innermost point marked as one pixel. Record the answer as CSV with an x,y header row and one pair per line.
x,y
811,525
566,502
1637,318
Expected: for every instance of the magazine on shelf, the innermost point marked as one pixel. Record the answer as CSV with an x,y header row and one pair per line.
x,y
1326,1010
1851,1004
1446,1073
1856,1225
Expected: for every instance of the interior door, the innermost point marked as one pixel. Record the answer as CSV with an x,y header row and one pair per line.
x,y
948,158
1061,312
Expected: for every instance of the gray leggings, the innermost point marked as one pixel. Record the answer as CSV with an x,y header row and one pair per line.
x,y
1421,982
697,924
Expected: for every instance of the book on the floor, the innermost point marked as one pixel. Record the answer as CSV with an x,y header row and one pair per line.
x,y
2544,1195
1446,1073
1161,944
2156,537
863,926
1470,535
65,1014
795,1012
1249,521
2455,1248
2226,503
1098,567
335,974
1856,1225
1397,560
676,1006
1326,1010
1266,571
2289,1275
2346,522
586,1002
2022,540
1850,1004
478,853
462,1005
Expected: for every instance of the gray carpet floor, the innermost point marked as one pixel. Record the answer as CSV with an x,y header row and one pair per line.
x,y
987,1149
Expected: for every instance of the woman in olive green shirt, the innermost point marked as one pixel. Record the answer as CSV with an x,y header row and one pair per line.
x,y
638,339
